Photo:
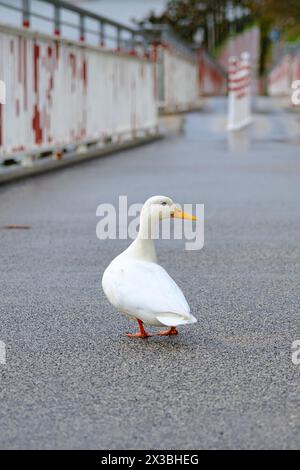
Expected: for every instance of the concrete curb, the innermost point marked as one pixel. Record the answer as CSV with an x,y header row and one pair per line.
x,y
49,164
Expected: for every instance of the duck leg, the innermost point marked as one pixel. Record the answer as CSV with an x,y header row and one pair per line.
x,y
141,334
171,331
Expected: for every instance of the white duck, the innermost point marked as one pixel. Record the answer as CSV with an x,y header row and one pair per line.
x,y
139,287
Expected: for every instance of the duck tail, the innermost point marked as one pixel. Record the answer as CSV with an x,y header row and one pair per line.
x,y
173,319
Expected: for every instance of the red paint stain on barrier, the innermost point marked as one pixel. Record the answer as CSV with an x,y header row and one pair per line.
x,y
25,84
52,66
72,59
36,56
84,74
57,52
36,120
20,60
36,125
50,89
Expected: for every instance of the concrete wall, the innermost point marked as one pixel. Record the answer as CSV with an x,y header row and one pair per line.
x,y
283,73
213,78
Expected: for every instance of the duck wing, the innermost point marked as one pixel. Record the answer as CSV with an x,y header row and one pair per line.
x,y
145,287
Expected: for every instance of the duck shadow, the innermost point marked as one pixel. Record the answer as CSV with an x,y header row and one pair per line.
x,y
162,344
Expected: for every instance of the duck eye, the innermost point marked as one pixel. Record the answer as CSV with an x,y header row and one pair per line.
x,y
164,203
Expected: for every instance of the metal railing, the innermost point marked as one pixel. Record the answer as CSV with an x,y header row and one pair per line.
x,y
85,26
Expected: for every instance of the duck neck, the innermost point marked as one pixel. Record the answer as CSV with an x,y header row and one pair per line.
x,y
143,246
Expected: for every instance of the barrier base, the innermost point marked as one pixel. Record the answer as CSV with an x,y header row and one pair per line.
x,y
49,164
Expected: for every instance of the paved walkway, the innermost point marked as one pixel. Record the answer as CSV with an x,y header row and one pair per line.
x,y
72,380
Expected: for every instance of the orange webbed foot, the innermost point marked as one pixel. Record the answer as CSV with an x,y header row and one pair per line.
x,y
171,331
138,335
142,333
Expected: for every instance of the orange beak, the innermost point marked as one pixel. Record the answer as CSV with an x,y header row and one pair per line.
x,y
178,214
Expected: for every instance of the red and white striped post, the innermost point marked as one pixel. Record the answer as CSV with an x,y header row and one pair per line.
x,y
239,92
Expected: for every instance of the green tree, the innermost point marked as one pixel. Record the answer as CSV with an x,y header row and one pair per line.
x,y
284,15
185,17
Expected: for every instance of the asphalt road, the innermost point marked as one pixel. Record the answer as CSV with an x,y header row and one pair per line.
x,y
73,380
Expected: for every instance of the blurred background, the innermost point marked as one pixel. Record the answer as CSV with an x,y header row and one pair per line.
x,y
184,40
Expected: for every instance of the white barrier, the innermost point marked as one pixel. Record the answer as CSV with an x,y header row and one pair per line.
x,y
177,79
60,92
239,92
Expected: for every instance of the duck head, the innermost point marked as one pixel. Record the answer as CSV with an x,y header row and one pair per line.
x,y
157,208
